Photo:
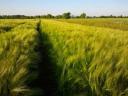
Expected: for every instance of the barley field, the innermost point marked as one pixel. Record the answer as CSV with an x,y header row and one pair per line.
x,y
64,57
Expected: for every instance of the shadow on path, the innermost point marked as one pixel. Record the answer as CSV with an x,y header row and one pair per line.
x,y
46,66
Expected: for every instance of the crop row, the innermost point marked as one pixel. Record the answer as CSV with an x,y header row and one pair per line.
x,y
17,58
92,61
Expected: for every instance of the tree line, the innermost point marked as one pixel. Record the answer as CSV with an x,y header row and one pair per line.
x,y
66,15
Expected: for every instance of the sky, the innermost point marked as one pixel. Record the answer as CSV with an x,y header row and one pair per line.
x,y
55,7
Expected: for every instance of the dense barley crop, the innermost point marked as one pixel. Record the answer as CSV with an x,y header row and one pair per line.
x,y
76,57
90,60
7,25
17,56
114,23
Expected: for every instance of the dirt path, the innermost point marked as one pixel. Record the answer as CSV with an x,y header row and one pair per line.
x,y
46,80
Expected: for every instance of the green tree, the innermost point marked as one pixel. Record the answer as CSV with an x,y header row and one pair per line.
x,y
66,15
83,15
49,16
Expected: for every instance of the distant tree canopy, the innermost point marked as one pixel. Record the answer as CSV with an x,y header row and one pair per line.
x,y
67,15
83,15
49,16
